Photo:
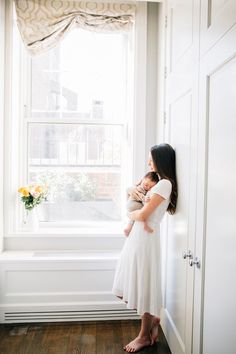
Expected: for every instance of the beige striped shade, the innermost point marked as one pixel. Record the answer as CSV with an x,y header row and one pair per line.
x,y
44,23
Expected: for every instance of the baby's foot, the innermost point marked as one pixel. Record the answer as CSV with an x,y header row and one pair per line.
x,y
128,229
147,228
137,344
154,329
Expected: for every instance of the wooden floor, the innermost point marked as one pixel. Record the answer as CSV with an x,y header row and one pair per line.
x,y
74,338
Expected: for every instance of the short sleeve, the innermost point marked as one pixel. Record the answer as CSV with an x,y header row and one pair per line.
x,y
163,188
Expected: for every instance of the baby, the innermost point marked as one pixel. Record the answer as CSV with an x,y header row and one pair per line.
x,y
138,196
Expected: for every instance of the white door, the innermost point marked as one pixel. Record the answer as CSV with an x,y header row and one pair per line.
x,y
181,132
215,289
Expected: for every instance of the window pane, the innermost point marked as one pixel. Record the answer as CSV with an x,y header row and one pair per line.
x,y
82,166
74,145
81,98
75,196
83,78
46,80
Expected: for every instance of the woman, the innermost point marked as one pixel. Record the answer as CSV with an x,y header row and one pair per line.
x,y
138,274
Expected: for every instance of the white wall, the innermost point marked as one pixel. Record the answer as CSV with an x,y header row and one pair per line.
x,y
155,75
151,67
2,59
161,50
146,85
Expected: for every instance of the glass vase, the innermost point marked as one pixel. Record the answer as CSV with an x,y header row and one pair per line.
x,y
31,221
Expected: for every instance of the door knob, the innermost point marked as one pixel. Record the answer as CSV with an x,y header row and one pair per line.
x,y
187,255
195,262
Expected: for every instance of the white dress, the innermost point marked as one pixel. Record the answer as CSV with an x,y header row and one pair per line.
x,y
138,273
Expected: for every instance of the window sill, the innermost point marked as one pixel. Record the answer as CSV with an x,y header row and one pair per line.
x,y
105,231
98,256
68,233
66,240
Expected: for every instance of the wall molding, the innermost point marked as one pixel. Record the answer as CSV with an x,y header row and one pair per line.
x,y
59,286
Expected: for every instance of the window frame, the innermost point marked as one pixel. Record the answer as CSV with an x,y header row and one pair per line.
x,y
16,104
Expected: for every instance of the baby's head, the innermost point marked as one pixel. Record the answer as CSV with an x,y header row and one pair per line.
x,y
149,180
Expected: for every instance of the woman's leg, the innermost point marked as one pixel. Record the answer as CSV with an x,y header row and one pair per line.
x,y
154,329
143,339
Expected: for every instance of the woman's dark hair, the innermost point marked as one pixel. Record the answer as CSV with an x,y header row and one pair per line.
x,y
163,157
153,176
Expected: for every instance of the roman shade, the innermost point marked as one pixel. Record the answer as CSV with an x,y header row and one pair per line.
x,y
44,23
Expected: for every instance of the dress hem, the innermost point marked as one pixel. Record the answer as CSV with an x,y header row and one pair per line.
x,y
133,307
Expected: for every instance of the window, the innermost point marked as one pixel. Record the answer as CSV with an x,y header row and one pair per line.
x,y
76,121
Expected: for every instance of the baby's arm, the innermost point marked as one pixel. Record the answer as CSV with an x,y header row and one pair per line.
x,y
131,205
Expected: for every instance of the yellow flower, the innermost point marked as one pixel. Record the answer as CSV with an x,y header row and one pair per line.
x,y
24,191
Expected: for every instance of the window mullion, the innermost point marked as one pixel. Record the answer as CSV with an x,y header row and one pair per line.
x,y
74,121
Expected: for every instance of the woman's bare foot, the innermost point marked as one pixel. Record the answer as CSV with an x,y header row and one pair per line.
x,y
154,330
137,344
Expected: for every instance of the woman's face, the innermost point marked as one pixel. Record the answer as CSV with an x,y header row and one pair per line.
x,y
151,163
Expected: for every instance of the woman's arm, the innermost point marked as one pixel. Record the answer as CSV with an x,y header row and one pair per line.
x,y
147,209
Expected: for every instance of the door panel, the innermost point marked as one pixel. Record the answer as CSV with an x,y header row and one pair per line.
x,y
181,132
217,18
214,7
214,294
220,261
181,32
177,267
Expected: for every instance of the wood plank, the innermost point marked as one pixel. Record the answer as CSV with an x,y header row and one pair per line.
x,y
88,338
101,337
74,343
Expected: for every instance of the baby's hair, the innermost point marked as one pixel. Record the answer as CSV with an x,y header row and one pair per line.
x,y
153,176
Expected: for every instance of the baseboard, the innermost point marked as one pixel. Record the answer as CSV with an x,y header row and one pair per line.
x,y
31,314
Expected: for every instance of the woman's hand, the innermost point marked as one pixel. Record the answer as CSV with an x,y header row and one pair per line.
x,y
147,209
